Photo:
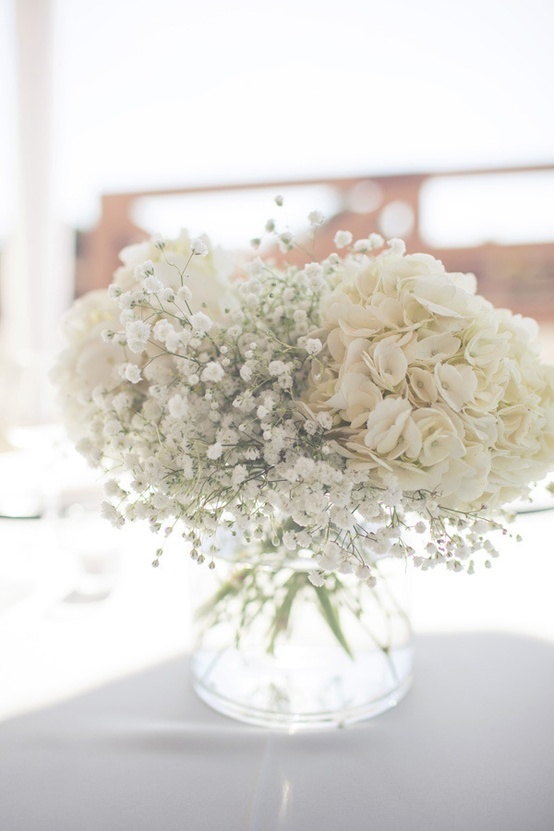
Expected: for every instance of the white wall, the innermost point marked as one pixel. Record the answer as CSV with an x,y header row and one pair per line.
x,y
143,93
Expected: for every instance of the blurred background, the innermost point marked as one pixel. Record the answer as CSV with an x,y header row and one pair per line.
x,y
431,121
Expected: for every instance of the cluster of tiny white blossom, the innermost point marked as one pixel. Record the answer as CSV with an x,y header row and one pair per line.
x,y
327,408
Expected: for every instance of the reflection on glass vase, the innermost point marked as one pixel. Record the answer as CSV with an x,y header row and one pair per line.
x,y
274,650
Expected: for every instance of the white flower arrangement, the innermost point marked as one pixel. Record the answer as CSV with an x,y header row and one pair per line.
x,y
372,399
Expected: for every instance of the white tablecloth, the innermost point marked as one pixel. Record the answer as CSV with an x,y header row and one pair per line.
x,y
100,729
470,749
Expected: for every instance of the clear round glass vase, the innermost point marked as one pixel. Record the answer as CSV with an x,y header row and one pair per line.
x,y
273,650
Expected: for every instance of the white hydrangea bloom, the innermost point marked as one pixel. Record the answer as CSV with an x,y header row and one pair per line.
x,y
417,400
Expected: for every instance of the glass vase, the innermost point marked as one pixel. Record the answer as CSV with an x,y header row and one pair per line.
x,y
274,650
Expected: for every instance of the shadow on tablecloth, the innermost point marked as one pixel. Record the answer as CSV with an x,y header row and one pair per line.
x,y
470,748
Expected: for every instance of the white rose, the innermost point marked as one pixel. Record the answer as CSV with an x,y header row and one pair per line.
x,y
176,265
440,438
89,362
519,427
464,482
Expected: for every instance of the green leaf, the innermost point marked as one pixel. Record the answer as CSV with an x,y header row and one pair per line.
x,y
332,618
282,613
232,586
